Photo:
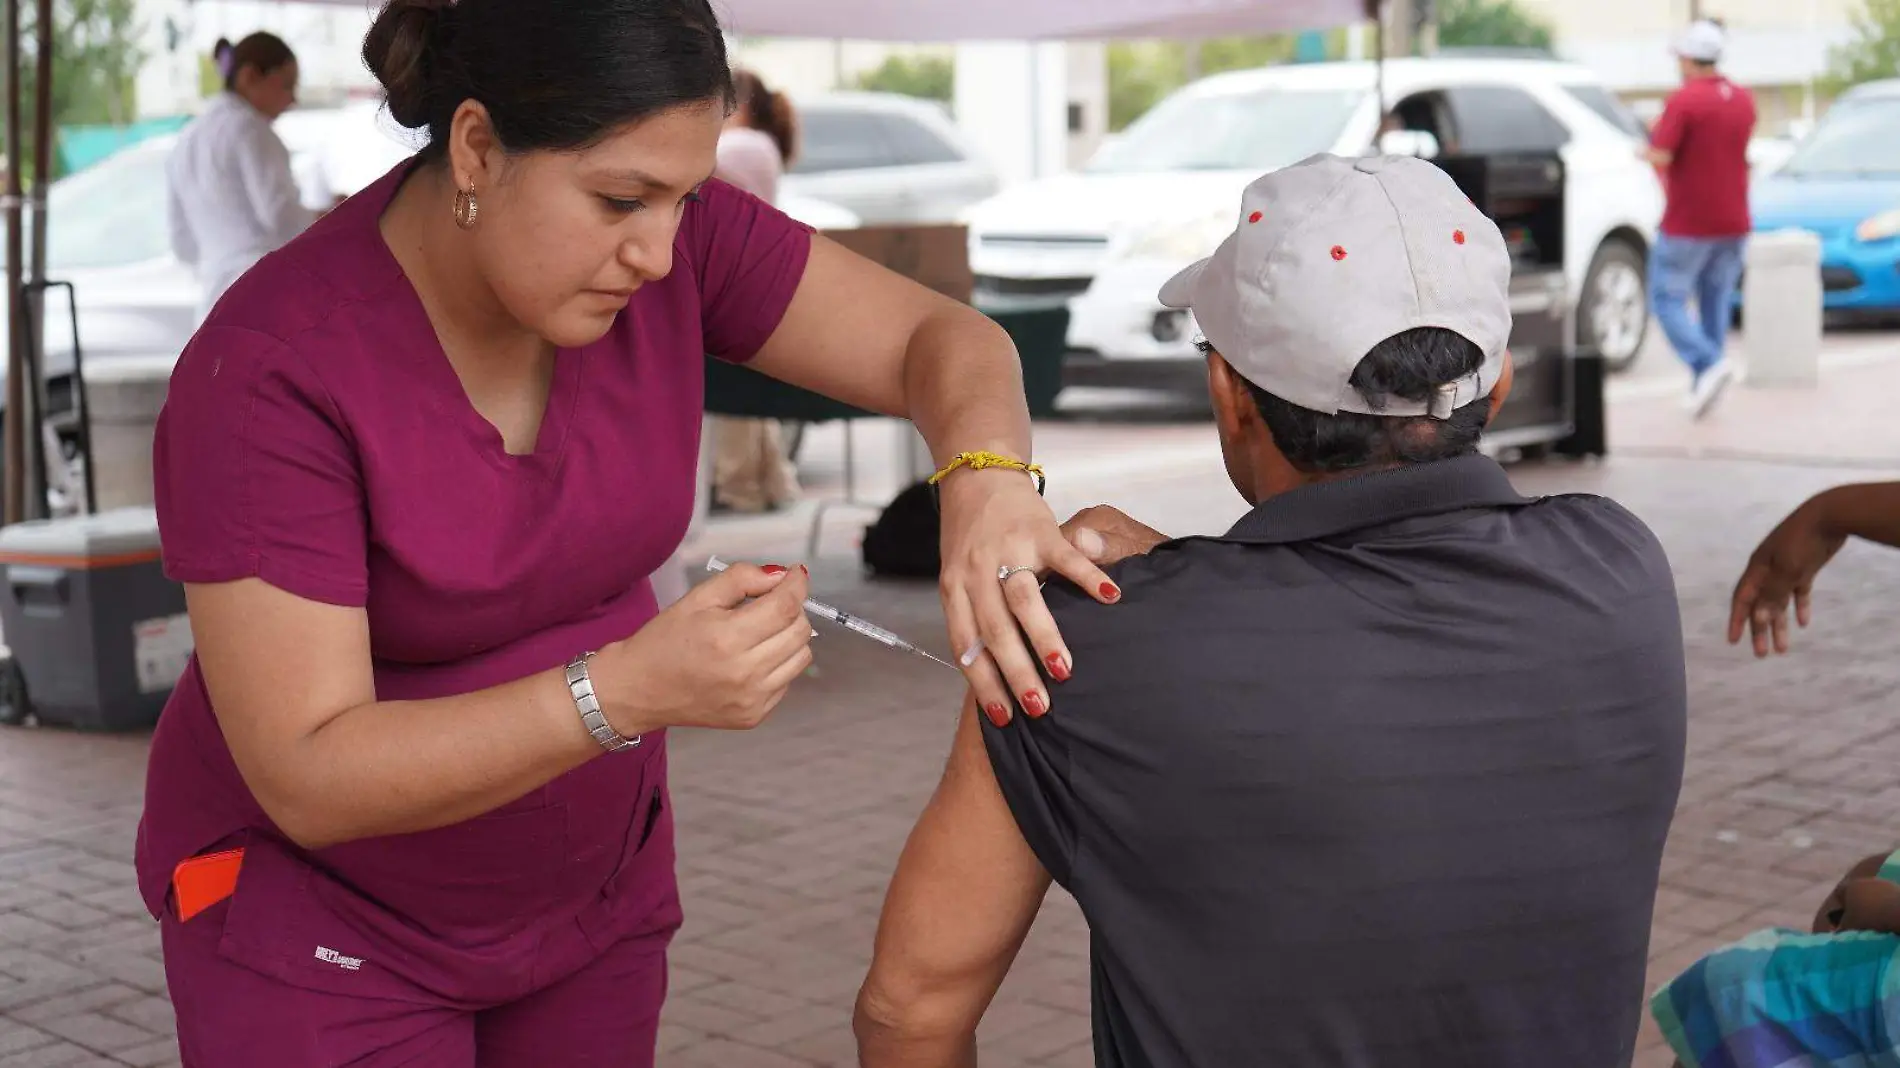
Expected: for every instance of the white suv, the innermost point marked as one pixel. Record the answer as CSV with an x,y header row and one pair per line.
x,y
1164,193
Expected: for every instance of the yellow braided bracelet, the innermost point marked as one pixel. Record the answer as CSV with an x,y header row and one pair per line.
x,y
978,461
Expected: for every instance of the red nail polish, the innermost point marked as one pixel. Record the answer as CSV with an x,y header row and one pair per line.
x,y
804,570
1058,667
773,569
1032,704
1111,591
999,716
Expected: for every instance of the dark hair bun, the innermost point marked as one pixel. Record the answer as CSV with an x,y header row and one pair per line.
x,y
553,75
400,50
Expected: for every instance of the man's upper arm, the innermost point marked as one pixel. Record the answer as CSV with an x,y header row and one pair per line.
x,y
966,891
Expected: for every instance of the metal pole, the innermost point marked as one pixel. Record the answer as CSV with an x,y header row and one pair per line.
x,y
1397,24
35,297
16,415
1807,89
1377,10
1035,110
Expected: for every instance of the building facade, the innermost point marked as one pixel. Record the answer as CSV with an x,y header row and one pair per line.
x,y
1776,47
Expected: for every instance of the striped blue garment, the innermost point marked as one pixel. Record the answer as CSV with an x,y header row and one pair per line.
x,y
1781,999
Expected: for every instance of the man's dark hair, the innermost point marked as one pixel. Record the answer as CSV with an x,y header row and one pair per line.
x,y
1409,366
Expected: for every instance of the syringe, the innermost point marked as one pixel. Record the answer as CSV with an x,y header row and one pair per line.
x,y
855,624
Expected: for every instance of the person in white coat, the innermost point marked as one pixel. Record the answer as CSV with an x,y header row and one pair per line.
x,y
232,196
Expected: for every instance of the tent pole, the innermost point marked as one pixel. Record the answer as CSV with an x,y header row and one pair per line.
x,y
1035,110
15,439
34,297
1377,10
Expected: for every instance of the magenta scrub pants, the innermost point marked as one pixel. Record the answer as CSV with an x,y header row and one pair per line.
x,y
534,937
606,1014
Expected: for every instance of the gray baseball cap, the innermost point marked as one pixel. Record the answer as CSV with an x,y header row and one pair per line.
x,y
1333,256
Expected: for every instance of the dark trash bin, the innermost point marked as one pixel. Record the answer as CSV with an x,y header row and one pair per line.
x,y
98,634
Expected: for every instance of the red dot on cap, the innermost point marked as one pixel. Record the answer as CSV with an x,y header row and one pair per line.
x,y
1339,253
1458,236
1255,217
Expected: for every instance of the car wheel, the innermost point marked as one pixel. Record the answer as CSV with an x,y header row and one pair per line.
x,y
1613,316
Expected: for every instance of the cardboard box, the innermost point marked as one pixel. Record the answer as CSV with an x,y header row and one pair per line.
x,y
936,256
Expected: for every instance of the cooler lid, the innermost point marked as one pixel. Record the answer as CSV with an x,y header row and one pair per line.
x,y
119,532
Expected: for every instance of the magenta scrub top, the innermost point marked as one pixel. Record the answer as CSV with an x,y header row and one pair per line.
x,y
316,437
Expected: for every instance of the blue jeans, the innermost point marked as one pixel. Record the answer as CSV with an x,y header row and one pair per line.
x,y
1707,270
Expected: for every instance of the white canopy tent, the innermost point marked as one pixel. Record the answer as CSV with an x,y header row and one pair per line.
x,y
1023,20
1017,20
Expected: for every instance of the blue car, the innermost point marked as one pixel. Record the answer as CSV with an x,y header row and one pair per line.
x,y
1843,183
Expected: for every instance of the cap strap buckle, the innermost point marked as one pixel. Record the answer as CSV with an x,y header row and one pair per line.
x,y
1444,400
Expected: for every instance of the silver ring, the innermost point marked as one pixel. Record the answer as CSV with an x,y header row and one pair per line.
x,y
1005,573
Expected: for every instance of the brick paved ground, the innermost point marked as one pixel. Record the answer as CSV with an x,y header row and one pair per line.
x,y
788,834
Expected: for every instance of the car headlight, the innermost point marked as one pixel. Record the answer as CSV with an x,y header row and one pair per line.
x,y
1879,227
1181,241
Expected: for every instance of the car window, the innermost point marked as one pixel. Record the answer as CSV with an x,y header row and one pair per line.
x,y
914,144
1253,132
1856,139
1499,118
1608,108
841,139
109,215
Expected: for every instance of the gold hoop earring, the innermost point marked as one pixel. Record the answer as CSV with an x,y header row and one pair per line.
x,y
467,208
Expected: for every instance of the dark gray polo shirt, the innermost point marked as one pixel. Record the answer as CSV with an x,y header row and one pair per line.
x,y
1379,779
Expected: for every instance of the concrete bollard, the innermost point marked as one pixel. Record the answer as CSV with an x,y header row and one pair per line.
x,y
124,397
1781,309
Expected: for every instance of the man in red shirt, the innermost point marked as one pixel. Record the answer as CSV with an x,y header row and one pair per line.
x,y
1700,149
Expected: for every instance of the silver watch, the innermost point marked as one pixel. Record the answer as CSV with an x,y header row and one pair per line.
x,y
582,687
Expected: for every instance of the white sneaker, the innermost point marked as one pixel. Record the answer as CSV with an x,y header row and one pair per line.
x,y
1708,388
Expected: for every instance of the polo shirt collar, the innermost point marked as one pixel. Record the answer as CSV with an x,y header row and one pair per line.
x,y
1328,509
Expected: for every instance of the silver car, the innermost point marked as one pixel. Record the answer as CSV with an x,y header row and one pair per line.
x,y
887,159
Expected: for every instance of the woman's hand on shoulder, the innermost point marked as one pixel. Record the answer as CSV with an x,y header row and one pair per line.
x,y
721,657
994,519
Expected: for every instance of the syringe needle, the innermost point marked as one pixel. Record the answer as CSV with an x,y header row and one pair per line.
x,y
856,624
927,656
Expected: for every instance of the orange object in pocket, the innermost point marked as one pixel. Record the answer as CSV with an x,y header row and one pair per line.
x,y
201,882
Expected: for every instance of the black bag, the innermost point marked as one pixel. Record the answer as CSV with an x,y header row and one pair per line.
x,y
906,539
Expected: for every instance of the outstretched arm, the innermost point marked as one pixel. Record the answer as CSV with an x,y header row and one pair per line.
x,y
967,889
1782,570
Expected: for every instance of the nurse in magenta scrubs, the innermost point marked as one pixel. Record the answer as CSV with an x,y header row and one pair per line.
x,y
408,805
